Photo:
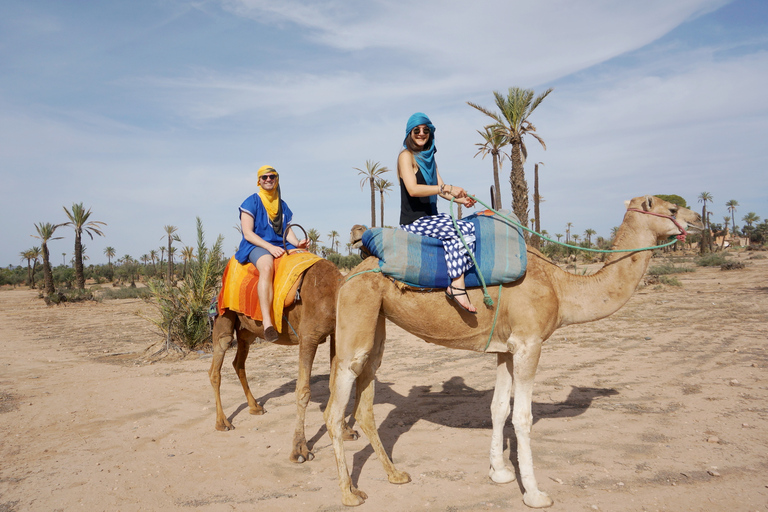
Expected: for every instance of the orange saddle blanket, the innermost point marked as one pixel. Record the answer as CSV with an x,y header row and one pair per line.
x,y
238,285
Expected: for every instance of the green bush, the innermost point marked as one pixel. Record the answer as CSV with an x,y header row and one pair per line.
x,y
184,308
125,293
668,268
712,260
669,281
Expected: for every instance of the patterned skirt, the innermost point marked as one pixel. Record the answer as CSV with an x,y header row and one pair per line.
x,y
440,226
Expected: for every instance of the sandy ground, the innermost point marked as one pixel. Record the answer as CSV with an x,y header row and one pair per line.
x,y
660,407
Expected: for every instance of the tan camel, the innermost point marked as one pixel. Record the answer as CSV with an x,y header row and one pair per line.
x,y
313,318
530,309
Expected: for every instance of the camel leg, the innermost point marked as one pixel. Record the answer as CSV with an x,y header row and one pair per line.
x,y
526,359
364,406
349,434
244,340
307,351
500,471
223,329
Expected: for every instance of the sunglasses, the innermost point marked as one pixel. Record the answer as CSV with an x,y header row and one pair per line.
x,y
419,130
268,177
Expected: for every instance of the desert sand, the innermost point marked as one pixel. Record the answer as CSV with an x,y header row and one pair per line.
x,y
660,407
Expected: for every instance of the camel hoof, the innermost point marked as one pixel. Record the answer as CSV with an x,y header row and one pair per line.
x,y
354,498
502,476
301,457
537,499
223,427
350,435
399,477
257,411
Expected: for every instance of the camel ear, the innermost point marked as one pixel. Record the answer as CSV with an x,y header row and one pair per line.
x,y
626,203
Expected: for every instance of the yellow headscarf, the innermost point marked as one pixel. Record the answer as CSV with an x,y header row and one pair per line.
x,y
271,199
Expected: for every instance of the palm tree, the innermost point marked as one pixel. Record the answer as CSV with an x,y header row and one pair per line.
x,y
706,234
495,140
372,171
170,232
588,234
731,205
558,236
513,120
749,219
314,237
109,252
45,233
332,235
28,255
349,248
37,253
568,227
383,185
153,257
188,254
78,219
536,241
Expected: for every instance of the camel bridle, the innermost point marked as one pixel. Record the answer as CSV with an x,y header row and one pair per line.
x,y
683,232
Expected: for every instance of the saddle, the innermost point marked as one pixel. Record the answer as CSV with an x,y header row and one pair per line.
x,y
419,261
239,285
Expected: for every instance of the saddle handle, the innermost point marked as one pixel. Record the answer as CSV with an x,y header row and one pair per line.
x,y
285,233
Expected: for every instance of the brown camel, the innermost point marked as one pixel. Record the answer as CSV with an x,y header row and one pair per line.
x,y
313,318
530,309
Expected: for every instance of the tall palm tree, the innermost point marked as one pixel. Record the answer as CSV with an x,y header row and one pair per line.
x,y
45,231
749,219
188,254
109,252
170,232
495,140
536,241
513,119
706,234
37,253
78,219
28,255
314,237
382,185
558,236
153,257
372,171
588,234
731,205
568,227
726,220
332,235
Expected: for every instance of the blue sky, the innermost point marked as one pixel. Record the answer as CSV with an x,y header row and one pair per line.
x,y
154,112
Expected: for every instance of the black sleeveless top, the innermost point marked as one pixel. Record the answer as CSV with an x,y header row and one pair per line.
x,y
413,208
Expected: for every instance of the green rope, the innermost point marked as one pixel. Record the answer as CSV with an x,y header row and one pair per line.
x,y
487,300
363,272
495,317
578,248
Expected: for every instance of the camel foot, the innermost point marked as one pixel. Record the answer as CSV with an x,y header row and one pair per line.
x,y
301,454
399,477
224,426
502,476
537,499
354,497
350,434
256,411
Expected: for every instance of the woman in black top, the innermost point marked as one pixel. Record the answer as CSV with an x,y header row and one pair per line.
x,y
420,184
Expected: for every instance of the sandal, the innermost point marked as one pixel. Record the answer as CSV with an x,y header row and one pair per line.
x,y
451,295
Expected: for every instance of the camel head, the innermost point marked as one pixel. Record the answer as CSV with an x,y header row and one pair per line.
x,y
356,235
665,218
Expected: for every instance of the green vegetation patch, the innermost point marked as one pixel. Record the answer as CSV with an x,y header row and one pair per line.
x,y
712,260
668,268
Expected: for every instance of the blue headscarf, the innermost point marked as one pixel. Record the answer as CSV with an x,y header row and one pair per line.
x,y
424,159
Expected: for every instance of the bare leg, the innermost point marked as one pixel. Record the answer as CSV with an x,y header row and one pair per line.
x,y
463,299
266,266
500,471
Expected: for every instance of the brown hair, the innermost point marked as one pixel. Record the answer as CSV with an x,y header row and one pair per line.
x,y
413,147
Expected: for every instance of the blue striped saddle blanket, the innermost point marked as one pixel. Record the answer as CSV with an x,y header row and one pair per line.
x,y
420,261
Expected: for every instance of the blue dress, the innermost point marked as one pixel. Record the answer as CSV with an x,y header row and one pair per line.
x,y
262,226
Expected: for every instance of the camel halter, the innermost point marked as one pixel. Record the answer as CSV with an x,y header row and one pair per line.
x,y
680,236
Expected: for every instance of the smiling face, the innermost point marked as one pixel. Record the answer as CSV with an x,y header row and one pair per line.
x,y
268,181
420,135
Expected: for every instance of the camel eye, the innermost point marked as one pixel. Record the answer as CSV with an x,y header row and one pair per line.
x,y
673,210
